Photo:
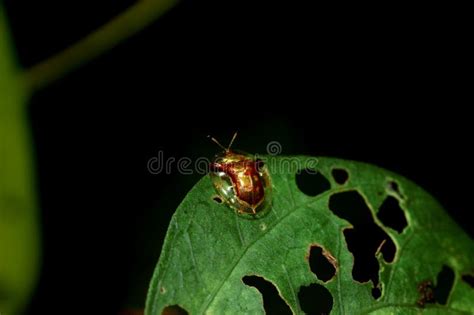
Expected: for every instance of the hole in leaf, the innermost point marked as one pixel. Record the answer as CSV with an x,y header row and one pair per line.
x,y
395,188
315,299
340,175
217,199
469,279
439,293
311,182
321,263
392,215
365,238
174,310
272,301
444,284
259,164
376,292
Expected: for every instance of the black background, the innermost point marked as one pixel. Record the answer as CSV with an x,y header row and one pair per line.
x,y
385,85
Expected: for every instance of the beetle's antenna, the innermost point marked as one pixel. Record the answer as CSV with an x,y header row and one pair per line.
x,y
232,141
217,142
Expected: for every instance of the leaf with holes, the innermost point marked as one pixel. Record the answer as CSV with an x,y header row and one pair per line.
x,y
344,237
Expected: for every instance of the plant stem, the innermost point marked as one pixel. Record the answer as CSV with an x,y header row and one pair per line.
x,y
106,37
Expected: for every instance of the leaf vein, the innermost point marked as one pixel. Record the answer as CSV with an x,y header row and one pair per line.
x,y
249,245
193,258
241,237
295,300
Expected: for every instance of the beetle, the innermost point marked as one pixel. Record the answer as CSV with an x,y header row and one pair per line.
x,y
241,180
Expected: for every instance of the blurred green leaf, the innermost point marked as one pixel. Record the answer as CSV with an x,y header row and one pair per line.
x,y
209,249
19,239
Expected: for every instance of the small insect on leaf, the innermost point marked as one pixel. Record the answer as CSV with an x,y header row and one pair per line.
x,y
242,181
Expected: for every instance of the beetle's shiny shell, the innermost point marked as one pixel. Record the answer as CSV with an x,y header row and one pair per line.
x,y
243,183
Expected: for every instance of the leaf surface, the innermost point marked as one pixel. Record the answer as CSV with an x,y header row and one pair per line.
x,y
209,249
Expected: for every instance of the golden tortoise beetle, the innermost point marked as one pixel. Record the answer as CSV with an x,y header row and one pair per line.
x,y
242,181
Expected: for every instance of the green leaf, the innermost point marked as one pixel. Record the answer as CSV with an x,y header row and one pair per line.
x,y
209,249
19,248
